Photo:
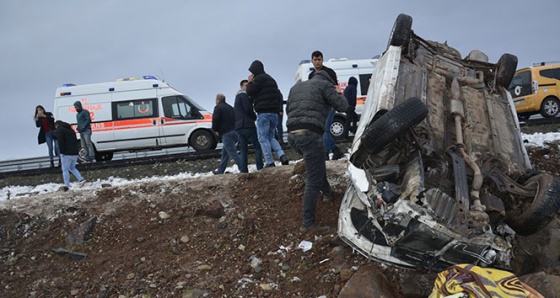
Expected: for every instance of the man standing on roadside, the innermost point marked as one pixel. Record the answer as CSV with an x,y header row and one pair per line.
x,y
245,118
223,124
308,105
330,144
84,128
267,100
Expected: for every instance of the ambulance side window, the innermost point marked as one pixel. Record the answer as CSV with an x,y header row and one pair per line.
x,y
177,107
130,109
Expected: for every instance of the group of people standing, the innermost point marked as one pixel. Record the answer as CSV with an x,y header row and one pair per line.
x,y
252,120
310,108
61,140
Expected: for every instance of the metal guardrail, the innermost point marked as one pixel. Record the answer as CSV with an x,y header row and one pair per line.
x,y
43,162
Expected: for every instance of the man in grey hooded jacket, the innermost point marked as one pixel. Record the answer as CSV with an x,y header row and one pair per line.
x,y
308,105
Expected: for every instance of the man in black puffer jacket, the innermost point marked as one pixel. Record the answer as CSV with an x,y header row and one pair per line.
x,y
267,100
69,150
308,105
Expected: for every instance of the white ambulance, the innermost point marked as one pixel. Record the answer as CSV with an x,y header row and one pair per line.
x,y
361,69
137,114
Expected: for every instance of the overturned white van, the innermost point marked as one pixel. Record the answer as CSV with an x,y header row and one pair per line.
x,y
137,114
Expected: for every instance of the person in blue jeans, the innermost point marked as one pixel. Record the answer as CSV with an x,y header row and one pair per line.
x,y
84,128
267,102
246,129
68,152
223,124
308,105
45,121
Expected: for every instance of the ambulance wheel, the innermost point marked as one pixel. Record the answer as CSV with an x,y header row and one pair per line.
x,y
505,69
202,140
337,128
542,209
393,124
402,32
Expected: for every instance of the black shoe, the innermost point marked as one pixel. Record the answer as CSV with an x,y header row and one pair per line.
x,y
52,164
312,227
270,165
327,156
215,172
337,154
65,188
284,160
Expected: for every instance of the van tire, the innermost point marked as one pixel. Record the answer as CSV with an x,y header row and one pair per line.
x,y
542,209
393,124
337,129
505,70
550,107
202,140
401,32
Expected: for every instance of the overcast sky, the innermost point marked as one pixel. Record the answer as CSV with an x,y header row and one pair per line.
x,y
205,47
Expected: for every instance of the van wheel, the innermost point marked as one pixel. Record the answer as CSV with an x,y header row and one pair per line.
x,y
337,128
549,107
393,124
543,208
401,32
505,69
202,140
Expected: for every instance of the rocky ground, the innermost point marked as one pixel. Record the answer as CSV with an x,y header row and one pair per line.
x,y
233,235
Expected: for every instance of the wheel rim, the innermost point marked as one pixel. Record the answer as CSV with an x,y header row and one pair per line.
x,y
201,141
337,129
551,108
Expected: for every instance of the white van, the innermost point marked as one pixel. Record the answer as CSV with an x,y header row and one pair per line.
x,y
361,69
137,114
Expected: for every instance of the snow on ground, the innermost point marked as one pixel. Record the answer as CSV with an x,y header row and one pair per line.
x,y
16,192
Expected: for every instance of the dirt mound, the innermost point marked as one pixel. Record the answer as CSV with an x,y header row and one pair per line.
x,y
233,235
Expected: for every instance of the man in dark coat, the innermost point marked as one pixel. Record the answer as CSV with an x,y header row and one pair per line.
x,y
308,105
267,100
69,150
328,140
223,124
245,118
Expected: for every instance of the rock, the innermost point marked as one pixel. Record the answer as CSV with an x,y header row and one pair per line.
x,y
163,215
74,255
204,267
215,210
196,293
266,287
185,239
540,282
416,283
338,258
346,274
82,233
367,282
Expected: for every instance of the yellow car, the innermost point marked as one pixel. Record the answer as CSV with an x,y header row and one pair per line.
x,y
535,90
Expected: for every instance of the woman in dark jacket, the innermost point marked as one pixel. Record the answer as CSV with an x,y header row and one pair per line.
x,y
45,121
